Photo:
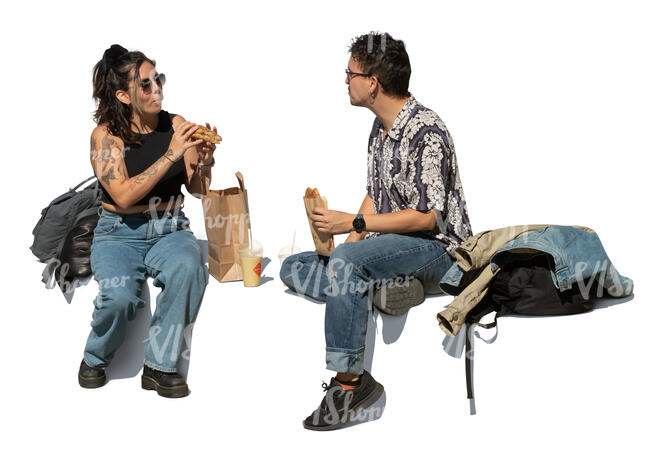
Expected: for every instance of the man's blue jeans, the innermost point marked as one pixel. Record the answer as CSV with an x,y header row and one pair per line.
x,y
125,249
345,279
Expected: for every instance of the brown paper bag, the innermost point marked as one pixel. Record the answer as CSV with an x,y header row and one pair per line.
x,y
227,224
324,242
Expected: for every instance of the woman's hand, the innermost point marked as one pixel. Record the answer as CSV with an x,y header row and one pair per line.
x,y
206,149
330,221
182,140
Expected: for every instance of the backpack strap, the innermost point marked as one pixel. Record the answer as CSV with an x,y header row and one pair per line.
x,y
469,367
492,324
84,213
82,183
469,355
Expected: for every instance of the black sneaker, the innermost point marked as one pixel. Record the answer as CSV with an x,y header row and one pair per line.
x,y
397,299
91,377
166,384
340,406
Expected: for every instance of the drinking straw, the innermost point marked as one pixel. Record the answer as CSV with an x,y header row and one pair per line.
x,y
293,240
250,234
240,177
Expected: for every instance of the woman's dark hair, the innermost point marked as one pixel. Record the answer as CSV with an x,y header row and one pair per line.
x,y
113,72
381,55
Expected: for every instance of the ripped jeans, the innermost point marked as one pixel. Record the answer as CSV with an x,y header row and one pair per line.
x,y
345,279
127,248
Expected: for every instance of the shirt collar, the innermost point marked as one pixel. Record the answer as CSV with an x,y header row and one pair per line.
x,y
399,122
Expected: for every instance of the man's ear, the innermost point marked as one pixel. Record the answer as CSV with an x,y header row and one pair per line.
x,y
123,97
374,85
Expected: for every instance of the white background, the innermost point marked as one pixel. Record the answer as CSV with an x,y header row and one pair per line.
x,y
548,107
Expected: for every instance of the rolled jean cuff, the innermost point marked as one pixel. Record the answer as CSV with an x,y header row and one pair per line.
x,y
160,368
348,362
93,361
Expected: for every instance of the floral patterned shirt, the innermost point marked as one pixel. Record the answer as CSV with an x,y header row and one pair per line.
x,y
415,166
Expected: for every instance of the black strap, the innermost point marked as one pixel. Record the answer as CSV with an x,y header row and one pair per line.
x,y
87,212
469,356
469,352
490,325
82,183
96,190
469,369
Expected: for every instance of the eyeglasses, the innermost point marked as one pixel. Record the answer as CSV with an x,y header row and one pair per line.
x,y
350,75
147,84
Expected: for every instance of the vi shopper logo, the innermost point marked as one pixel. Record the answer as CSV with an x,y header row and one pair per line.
x,y
167,344
159,224
372,42
604,275
340,275
336,408
231,227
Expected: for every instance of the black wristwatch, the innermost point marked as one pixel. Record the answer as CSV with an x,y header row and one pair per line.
x,y
359,223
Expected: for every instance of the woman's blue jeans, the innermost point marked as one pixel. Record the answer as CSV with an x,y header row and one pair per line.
x,y
127,248
345,279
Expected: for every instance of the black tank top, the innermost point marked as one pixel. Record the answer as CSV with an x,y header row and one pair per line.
x,y
139,158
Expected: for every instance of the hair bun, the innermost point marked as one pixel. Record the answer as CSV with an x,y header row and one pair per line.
x,y
111,55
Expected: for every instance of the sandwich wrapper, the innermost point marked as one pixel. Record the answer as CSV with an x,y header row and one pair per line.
x,y
323,242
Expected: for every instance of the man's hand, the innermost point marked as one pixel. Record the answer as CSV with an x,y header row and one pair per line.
x,y
330,221
353,237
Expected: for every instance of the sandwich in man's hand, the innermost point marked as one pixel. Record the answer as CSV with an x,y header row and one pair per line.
x,y
323,242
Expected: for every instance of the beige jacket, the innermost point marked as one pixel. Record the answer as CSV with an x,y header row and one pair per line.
x,y
475,254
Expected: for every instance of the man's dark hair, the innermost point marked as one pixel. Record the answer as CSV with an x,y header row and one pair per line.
x,y
381,55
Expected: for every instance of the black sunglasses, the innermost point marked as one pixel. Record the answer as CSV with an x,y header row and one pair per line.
x,y
147,84
349,74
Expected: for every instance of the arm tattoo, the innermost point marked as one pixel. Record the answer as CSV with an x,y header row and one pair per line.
x,y
107,142
106,151
141,178
108,176
106,163
122,170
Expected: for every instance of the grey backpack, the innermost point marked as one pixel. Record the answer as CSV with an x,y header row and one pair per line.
x,y
64,233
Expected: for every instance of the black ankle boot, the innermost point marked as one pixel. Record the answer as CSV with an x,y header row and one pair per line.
x,y
166,384
91,377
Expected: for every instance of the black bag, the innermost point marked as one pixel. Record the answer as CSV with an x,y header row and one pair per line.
x,y
523,286
64,233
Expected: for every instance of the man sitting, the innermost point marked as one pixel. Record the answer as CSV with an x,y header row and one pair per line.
x,y
412,218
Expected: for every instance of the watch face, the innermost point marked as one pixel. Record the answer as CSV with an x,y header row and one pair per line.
x,y
358,224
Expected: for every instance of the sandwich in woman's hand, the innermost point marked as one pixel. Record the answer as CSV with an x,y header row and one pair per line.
x,y
206,134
